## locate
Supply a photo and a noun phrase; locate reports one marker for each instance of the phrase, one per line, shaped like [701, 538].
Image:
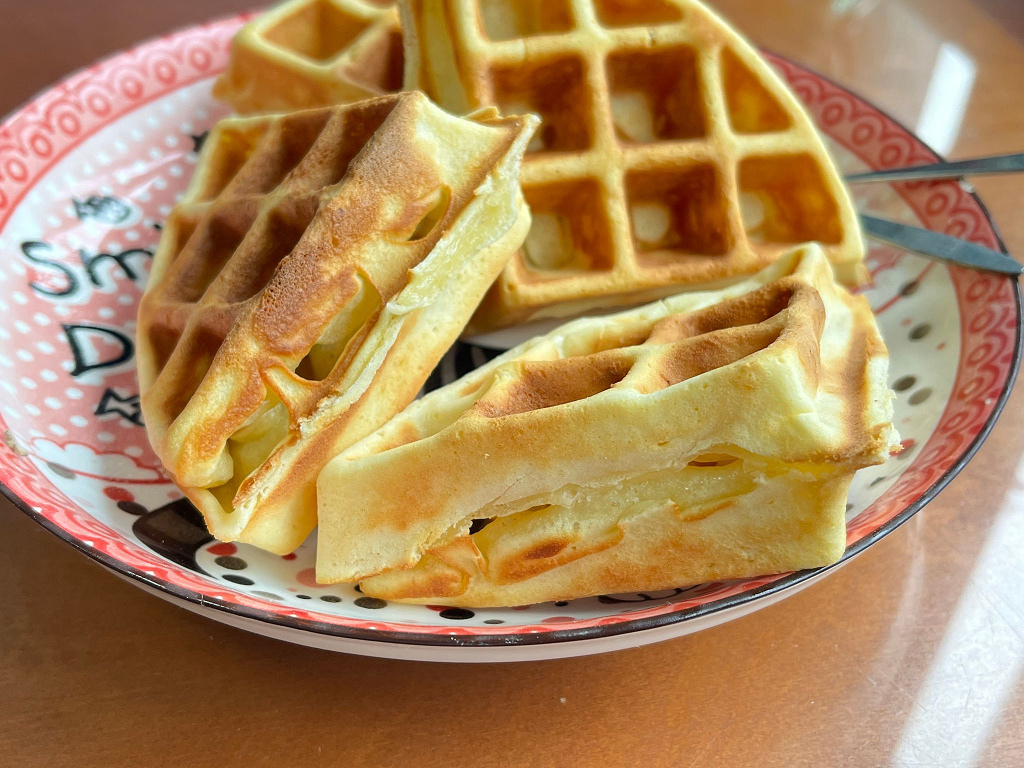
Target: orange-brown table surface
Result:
[911, 655]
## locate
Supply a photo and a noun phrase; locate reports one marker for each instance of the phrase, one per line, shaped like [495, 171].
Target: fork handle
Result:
[940, 246]
[977, 167]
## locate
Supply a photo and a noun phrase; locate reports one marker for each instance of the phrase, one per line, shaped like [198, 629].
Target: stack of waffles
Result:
[318, 268]
[323, 261]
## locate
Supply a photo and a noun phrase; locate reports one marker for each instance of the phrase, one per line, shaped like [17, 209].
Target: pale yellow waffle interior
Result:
[590, 517]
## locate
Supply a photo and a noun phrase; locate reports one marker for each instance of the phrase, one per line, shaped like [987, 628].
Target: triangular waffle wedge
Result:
[670, 154]
[316, 271]
[313, 53]
[708, 436]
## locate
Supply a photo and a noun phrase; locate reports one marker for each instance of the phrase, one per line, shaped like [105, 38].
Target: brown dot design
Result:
[904, 383]
[132, 508]
[373, 603]
[235, 579]
[494, 621]
[231, 563]
[920, 331]
[57, 469]
[920, 396]
[910, 288]
[331, 599]
[456, 614]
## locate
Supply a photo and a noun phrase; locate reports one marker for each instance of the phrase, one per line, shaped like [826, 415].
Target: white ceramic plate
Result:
[89, 170]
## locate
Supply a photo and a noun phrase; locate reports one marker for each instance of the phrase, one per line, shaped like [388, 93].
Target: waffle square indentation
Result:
[570, 230]
[209, 248]
[752, 108]
[636, 13]
[513, 19]
[317, 30]
[678, 209]
[656, 95]
[557, 90]
[784, 200]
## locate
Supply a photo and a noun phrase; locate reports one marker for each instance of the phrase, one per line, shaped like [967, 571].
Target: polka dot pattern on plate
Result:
[143, 158]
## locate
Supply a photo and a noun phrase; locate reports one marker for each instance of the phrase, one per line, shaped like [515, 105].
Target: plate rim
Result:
[498, 640]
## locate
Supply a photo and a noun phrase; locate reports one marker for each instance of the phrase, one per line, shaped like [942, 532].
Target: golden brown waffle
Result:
[313, 53]
[316, 271]
[708, 436]
[670, 154]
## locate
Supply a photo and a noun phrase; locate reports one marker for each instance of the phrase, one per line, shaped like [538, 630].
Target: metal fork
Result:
[935, 244]
[981, 166]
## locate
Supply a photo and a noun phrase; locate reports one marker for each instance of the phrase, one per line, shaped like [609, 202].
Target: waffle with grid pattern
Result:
[318, 268]
[711, 435]
[670, 154]
[313, 53]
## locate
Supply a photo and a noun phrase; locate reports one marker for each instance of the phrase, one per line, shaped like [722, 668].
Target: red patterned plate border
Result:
[45, 130]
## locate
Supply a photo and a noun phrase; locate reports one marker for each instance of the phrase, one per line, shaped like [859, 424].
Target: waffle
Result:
[670, 154]
[708, 436]
[313, 53]
[317, 269]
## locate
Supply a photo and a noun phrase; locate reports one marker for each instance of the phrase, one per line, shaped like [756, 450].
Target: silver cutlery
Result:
[980, 166]
[939, 246]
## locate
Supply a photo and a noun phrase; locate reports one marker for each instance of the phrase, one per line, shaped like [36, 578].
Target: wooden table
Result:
[912, 655]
